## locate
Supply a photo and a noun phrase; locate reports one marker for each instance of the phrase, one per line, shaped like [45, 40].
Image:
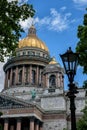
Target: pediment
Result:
[7, 102]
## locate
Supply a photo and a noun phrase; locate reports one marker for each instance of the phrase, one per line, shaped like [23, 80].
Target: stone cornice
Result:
[13, 100]
[25, 60]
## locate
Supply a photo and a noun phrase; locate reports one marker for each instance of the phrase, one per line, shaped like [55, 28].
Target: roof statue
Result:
[33, 93]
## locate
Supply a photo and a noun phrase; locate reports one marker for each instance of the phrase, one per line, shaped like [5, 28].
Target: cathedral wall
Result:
[79, 102]
[53, 103]
[58, 124]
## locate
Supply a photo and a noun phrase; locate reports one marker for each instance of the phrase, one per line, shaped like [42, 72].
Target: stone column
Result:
[30, 74]
[37, 125]
[41, 126]
[27, 74]
[6, 124]
[11, 127]
[5, 81]
[37, 75]
[56, 79]
[31, 123]
[16, 80]
[40, 76]
[18, 124]
[43, 81]
[60, 80]
[23, 75]
[46, 81]
[11, 77]
[59, 84]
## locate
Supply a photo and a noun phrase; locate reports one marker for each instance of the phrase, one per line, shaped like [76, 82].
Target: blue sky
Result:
[56, 22]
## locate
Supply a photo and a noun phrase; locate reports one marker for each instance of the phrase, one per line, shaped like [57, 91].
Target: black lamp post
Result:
[70, 61]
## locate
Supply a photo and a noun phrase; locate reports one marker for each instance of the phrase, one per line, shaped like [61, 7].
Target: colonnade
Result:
[33, 124]
[31, 75]
[23, 75]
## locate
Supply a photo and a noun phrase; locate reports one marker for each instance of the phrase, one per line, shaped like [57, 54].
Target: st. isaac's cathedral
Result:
[33, 97]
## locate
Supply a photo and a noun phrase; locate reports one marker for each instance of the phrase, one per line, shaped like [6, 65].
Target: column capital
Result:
[19, 119]
[37, 121]
[32, 118]
[41, 123]
[6, 120]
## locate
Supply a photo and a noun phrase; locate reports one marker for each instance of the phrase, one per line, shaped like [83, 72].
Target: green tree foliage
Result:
[82, 44]
[82, 123]
[10, 28]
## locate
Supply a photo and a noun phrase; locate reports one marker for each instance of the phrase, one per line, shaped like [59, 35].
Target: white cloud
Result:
[19, 1]
[11, 0]
[27, 23]
[55, 21]
[1, 76]
[22, 1]
[63, 8]
[58, 22]
[80, 2]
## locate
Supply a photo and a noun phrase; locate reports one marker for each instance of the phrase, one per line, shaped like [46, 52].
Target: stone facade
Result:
[33, 97]
[54, 124]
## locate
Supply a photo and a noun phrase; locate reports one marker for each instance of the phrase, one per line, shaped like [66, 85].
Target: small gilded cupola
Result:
[53, 61]
[54, 74]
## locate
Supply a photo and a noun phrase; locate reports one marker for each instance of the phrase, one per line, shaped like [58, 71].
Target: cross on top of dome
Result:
[32, 30]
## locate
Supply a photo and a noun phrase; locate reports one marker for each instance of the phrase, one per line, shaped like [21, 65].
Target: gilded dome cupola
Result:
[32, 40]
[26, 67]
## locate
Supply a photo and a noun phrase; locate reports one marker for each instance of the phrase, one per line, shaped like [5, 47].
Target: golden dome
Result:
[32, 40]
[53, 61]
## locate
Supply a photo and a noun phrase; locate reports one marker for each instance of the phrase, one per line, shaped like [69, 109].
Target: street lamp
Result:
[70, 61]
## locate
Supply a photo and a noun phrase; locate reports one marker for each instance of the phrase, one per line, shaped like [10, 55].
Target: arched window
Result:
[13, 78]
[33, 76]
[24, 53]
[52, 81]
[20, 76]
